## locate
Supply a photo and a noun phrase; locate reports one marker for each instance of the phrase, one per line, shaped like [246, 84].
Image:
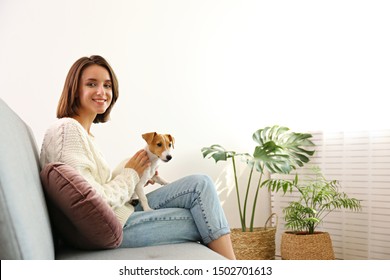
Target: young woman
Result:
[185, 210]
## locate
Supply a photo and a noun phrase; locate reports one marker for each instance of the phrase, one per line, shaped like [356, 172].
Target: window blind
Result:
[360, 161]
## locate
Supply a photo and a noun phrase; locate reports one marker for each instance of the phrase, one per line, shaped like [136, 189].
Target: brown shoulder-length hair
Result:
[69, 102]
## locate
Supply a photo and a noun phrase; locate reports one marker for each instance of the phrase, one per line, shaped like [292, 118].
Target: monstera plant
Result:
[278, 150]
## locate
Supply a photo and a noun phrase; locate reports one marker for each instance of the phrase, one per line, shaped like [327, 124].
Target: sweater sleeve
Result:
[77, 150]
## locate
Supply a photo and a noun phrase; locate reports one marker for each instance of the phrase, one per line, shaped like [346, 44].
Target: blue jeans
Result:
[185, 210]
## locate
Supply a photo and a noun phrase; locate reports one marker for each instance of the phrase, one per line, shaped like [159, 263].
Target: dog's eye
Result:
[159, 144]
[170, 145]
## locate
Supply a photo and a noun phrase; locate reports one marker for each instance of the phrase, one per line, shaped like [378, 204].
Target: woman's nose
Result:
[101, 90]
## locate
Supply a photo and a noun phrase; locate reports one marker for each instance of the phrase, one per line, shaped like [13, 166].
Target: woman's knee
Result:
[203, 181]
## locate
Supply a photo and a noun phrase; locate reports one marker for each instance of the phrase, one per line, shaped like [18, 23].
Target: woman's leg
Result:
[159, 227]
[197, 194]
[155, 228]
[223, 246]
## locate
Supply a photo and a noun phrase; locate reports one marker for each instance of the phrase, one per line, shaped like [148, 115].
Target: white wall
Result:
[205, 71]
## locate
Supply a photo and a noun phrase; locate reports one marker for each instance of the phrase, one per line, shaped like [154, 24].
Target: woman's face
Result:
[95, 91]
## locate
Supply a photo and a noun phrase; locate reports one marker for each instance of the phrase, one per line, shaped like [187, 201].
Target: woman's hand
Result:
[139, 162]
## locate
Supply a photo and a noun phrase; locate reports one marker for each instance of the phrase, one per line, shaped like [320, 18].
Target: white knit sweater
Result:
[68, 142]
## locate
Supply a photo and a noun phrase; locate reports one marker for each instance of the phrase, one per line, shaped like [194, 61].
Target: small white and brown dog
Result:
[159, 148]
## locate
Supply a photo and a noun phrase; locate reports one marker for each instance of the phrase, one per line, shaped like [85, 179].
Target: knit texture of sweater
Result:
[68, 142]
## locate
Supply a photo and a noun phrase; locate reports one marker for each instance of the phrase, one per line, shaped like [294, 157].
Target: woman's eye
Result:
[91, 84]
[107, 86]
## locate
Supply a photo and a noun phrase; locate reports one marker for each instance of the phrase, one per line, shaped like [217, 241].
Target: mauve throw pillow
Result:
[78, 213]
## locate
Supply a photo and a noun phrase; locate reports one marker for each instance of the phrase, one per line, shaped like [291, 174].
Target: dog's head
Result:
[160, 144]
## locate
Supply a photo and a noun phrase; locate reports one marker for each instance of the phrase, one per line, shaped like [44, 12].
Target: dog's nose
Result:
[169, 157]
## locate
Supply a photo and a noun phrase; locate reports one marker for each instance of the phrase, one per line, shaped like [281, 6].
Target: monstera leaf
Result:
[217, 152]
[279, 150]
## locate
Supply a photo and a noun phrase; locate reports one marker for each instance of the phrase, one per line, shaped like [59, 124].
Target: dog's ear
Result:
[171, 139]
[148, 137]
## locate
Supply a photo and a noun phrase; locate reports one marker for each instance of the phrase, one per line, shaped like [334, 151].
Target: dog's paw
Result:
[148, 209]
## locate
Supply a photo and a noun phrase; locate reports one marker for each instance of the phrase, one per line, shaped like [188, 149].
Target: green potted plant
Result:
[278, 150]
[318, 197]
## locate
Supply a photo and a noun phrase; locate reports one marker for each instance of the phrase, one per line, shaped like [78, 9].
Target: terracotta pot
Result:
[302, 246]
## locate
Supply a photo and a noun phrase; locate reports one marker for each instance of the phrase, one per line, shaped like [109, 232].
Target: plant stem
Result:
[255, 202]
[311, 228]
[247, 193]
[243, 225]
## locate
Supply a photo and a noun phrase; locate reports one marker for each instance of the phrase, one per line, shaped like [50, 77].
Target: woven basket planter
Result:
[317, 246]
[256, 245]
